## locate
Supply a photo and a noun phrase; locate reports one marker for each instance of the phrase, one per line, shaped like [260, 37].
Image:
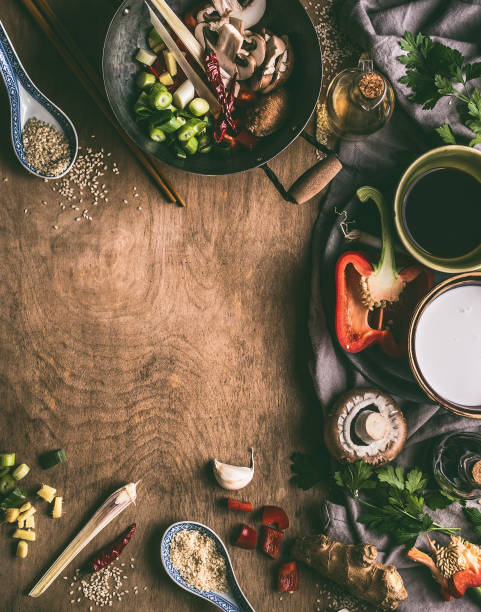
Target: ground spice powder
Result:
[194, 555]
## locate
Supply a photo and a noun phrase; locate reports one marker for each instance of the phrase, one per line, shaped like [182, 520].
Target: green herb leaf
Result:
[309, 470]
[446, 134]
[474, 517]
[393, 476]
[472, 71]
[438, 500]
[415, 481]
[354, 477]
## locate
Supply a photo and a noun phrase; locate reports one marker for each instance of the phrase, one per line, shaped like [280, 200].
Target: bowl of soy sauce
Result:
[438, 209]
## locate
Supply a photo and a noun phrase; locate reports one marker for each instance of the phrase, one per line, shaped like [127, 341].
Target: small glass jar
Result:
[360, 101]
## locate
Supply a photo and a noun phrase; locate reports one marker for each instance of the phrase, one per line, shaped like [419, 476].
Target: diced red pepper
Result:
[271, 541]
[247, 139]
[463, 580]
[288, 578]
[247, 538]
[236, 504]
[273, 515]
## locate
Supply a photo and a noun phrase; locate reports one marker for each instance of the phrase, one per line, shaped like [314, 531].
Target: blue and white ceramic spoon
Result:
[232, 601]
[26, 102]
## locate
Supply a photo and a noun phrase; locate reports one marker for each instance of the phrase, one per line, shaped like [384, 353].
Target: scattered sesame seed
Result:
[25, 210]
[124, 201]
[139, 207]
[55, 227]
[136, 195]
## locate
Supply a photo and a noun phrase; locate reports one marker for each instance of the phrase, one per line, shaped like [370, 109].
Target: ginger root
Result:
[353, 567]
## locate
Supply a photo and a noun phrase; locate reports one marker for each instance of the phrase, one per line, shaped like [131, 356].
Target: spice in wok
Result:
[112, 552]
[375, 301]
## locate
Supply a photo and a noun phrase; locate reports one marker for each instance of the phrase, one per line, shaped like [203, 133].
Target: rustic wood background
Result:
[147, 342]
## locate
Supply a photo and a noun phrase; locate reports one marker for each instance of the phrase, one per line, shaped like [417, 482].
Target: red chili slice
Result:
[288, 578]
[236, 504]
[271, 541]
[247, 538]
[273, 515]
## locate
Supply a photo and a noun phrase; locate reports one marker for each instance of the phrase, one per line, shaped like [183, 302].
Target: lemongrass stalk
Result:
[112, 507]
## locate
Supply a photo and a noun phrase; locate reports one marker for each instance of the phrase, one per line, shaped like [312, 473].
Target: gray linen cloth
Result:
[378, 25]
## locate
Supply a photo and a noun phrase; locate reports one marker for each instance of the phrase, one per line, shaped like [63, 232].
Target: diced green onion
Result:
[191, 145]
[146, 57]
[142, 108]
[7, 483]
[156, 134]
[7, 459]
[199, 107]
[145, 79]
[184, 94]
[21, 471]
[193, 127]
[48, 460]
[180, 152]
[159, 96]
[222, 149]
[155, 41]
[14, 499]
[205, 143]
[171, 126]
[4, 471]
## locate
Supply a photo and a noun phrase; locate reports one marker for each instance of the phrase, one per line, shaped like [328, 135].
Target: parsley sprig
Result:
[434, 71]
[396, 507]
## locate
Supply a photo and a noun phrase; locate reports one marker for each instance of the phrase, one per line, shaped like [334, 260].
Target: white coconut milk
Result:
[447, 345]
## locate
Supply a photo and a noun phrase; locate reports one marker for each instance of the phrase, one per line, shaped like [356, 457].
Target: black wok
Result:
[127, 32]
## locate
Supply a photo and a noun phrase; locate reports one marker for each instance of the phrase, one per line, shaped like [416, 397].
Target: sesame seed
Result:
[46, 149]
[139, 207]
[55, 227]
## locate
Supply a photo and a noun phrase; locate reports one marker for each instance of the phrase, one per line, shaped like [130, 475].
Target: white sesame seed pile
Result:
[45, 147]
[104, 587]
[333, 597]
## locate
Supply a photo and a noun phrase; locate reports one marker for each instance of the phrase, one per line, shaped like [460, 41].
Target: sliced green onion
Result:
[159, 96]
[156, 133]
[205, 143]
[184, 94]
[193, 127]
[4, 471]
[142, 108]
[48, 460]
[199, 107]
[223, 150]
[21, 471]
[145, 57]
[7, 483]
[180, 152]
[171, 126]
[191, 145]
[14, 499]
[145, 79]
[155, 41]
[7, 459]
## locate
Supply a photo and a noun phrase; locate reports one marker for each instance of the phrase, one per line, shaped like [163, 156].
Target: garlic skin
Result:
[233, 477]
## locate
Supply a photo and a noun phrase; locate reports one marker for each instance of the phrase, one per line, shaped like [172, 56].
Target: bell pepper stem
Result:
[386, 269]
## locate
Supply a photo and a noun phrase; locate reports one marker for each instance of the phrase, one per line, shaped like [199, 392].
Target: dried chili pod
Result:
[271, 541]
[288, 578]
[112, 551]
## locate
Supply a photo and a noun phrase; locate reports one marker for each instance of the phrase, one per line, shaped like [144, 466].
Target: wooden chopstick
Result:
[81, 67]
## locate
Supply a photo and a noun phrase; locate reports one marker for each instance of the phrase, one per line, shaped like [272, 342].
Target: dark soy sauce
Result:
[442, 212]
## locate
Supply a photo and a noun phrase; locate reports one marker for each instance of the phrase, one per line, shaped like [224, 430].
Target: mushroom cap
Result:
[286, 60]
[340, 421]
[275, 48]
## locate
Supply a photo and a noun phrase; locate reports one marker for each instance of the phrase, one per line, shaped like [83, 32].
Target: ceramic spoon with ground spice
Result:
[196, 559]
[43, 137]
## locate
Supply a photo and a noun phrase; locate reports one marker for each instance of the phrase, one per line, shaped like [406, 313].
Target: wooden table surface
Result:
[147, 342]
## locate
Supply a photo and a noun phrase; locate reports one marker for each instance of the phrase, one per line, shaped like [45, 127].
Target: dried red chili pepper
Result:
[273, 515]
[112, 551]
[364, 290]
[235, 504]
[247, 538]
[154, 71]
[288, 578]
[271, 540]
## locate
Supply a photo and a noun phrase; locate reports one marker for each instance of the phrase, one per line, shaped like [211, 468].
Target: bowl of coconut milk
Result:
[445, 344]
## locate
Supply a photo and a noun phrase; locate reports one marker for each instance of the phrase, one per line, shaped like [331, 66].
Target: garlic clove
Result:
[233, 477]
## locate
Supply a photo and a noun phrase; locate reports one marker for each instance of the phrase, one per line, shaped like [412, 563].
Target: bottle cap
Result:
[371, 85]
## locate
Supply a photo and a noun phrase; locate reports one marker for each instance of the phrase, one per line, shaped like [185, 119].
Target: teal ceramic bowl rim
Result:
[453, 265]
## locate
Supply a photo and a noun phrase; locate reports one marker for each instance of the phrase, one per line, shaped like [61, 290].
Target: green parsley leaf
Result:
[354, 477]
[393, 476]
[474, 517]
[472, 71]
[415, 481]
[446, 134]
[438, 500]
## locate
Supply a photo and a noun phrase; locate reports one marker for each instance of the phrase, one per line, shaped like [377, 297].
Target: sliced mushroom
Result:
[275, 47]
[250, 11]
[256, 46]
[365, 424]
[284, 67]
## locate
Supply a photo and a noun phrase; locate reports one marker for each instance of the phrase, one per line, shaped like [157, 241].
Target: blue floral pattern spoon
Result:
[26, 102]
[232, 601]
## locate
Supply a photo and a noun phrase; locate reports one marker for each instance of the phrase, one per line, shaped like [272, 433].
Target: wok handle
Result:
[315, 179]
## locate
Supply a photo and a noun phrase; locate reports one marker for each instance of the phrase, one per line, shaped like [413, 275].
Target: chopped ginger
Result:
[47, 493]
[21, 523]
[30, 522]
[22, 549]
[57, 507]
[24, 515]
[23, 534]
[11, 515]
[26, 506]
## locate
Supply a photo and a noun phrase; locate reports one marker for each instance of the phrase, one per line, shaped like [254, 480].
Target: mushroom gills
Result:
[250, 11]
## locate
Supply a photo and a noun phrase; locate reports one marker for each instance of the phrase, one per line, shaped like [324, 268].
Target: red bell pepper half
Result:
[374, 302]
[273, 515]
[271, 540]
[236, 504]
[247, 538]
[288, 578]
